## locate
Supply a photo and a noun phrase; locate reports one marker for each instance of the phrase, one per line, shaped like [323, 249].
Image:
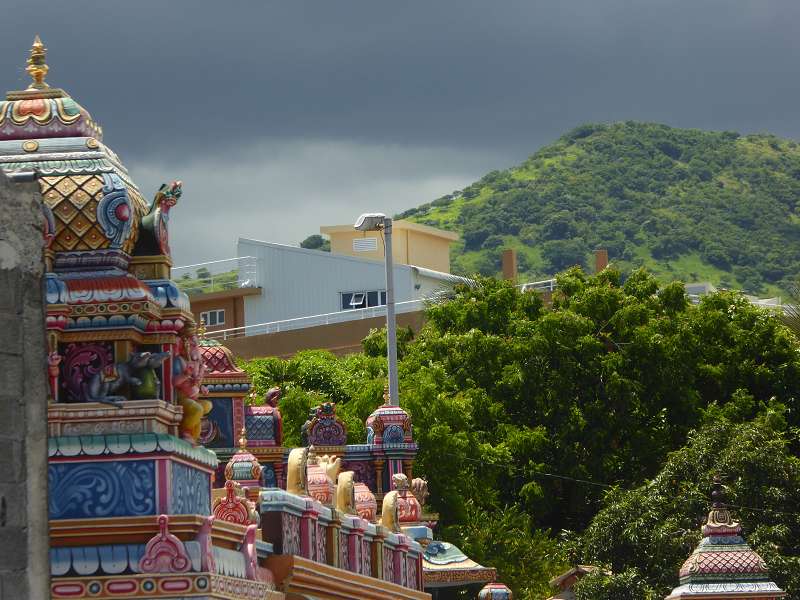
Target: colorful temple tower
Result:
[724, 565]
[167, 479]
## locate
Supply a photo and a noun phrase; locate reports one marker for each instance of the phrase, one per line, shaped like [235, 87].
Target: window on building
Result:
[358, 300]
[212, 318]
[363, 299]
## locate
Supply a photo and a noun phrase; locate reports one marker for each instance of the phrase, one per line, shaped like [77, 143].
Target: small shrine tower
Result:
[724, 565]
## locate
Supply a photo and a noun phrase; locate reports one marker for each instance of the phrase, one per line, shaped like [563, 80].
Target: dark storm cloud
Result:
[507, 75]
[453, 88]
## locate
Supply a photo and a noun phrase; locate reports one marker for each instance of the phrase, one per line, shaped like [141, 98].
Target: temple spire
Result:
[37, 67]
[720, 515]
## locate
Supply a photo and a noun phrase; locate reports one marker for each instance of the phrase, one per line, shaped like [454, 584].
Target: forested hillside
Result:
[687, 204]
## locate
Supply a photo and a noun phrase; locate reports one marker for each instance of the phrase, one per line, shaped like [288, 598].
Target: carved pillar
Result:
[122, 350]
[334, 531]
[166, 374]
[379, 480]
[377, 555]
[308, 533]
[408, 469]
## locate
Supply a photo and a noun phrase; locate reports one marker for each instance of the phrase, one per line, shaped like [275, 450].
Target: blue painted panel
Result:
[191, 491]
[101, 489]
[218, 425]
[268, 478]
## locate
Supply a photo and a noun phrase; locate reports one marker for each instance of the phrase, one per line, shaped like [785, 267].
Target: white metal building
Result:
[297, 282]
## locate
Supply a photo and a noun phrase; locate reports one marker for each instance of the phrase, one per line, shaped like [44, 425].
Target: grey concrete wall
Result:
[24, 567]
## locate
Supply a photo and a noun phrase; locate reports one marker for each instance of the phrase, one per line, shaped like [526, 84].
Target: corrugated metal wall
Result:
[297, 282]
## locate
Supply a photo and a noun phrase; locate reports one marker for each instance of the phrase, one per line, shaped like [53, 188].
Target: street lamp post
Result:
[380, 222]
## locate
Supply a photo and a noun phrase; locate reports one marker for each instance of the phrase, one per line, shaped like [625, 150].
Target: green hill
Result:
[687, 204]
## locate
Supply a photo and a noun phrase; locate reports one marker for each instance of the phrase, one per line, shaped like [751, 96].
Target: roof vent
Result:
[365, 244]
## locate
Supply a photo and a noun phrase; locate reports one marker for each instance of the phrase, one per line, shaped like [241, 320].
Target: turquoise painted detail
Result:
[121, 444]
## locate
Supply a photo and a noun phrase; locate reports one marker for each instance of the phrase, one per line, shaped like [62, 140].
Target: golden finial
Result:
[386, 396]
[37, 67]
[243, 440]
[201, 330]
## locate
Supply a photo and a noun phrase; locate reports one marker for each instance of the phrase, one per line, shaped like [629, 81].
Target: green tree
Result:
[517, 405]
[654, 528]
[316, 242]
[628, 585]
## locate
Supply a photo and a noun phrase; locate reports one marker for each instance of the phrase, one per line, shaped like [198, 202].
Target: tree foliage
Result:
[316, 242]
[521, 409]
[653, 529]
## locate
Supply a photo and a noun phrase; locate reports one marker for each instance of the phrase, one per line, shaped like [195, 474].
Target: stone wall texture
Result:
[24, 567]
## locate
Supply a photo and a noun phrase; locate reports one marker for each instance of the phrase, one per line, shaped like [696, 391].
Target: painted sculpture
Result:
[346, 493]
[390, 516]
[366, 505]
[188, 372]
[129, 488]
[409, 509]
[296, 482]
[320, 474]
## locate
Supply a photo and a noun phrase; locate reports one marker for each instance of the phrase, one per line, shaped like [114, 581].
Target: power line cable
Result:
[535, 473]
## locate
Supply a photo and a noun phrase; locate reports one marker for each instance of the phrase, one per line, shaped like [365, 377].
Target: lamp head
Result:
[370, 222]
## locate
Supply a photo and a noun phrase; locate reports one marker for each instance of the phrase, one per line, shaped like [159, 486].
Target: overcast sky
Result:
[281, 116]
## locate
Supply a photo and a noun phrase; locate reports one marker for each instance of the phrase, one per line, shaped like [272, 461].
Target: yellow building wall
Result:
[409, 246]
[427, 251]
[342, 243]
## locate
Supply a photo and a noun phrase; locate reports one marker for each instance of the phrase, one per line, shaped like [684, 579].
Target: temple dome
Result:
[495, 591]
[389, 425]
[44, 112]
[243, 467]
[724, 562]
[92, 207]
[221, 372]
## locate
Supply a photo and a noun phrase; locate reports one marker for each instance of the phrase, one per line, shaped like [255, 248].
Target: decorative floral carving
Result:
[234, 507]
[366, 505]
[164, 553]
[114, 210]
[324, 428]
[81, 362]
[208, 563]
[101, 489]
